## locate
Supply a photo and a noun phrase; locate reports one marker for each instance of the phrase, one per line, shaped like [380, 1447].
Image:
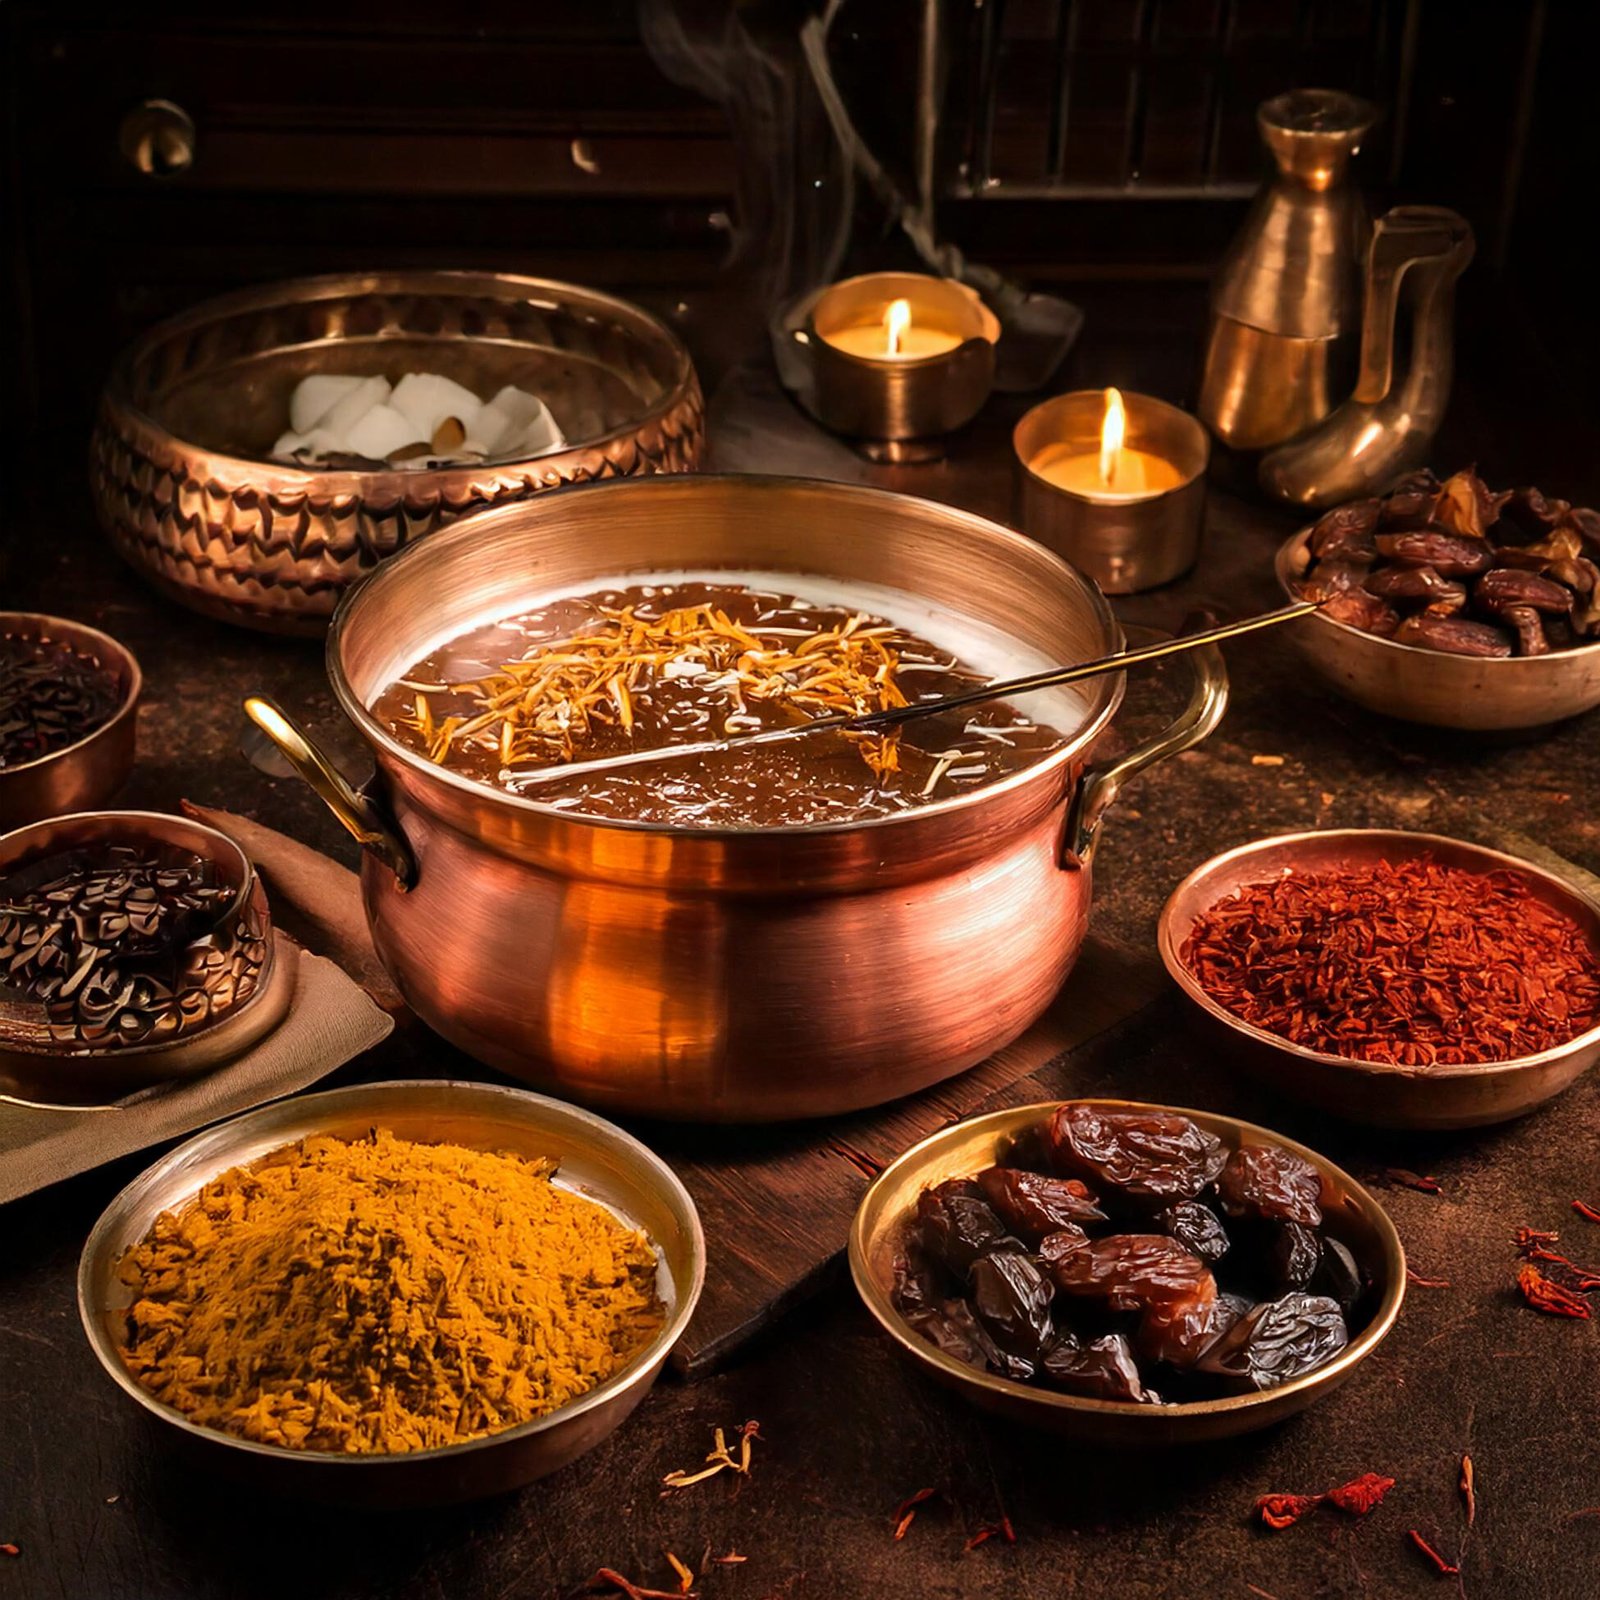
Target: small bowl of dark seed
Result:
[1452, 604]
[69, 704]
[1125, 1273]
[135, 949]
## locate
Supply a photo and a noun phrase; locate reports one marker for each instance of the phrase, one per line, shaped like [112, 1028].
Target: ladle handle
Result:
[359, 815]
[1100, 785]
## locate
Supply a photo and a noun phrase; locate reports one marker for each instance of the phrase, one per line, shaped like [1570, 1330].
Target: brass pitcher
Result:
[1286, 306]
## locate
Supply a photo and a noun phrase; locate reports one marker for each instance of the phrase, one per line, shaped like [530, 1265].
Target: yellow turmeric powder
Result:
[378, 1295]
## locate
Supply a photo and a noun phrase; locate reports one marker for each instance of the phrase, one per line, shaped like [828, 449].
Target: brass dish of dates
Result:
[880, 1232]
[180, 463]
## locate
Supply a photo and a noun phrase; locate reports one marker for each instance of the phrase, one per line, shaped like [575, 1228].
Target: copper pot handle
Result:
[1100, 785]
[358, 813]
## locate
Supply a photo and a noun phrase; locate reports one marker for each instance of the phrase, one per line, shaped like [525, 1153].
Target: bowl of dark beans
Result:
[1451, 604]
[1127, 1273]
[136, 949]
[69, 702]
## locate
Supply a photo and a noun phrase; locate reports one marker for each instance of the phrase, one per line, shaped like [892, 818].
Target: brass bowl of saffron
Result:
[1350, 1215]
[597, 1160]
[1448, 1095]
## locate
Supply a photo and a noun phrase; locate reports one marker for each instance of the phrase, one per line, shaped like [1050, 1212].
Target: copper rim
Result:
[112, 655]
[119, 388]
[1170, 940]
[1053, 1401]
[436, 547]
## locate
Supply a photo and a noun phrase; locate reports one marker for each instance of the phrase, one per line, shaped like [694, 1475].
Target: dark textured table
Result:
[100, 1511]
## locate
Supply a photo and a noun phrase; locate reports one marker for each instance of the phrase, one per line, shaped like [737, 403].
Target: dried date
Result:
[1456, 636]
[1528, 515]
[1422, 584]
[1180, 1334]
[1358, 609]
[1411, 503]
[1346, 533]
[1452, 555]
[1032, 1205]
[1011, 1298]
[956, 1225]
[1133, 1271]
[1338, 1276]
[1196, 1227]
[1145, 1157]
[952, 1328]
[1278, 1341]
[1103, 1369]
[1271, 1183]
[1528, 627]
[1294, 1253]
[1506, 586]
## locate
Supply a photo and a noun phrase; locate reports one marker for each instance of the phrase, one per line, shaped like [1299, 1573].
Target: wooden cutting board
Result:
[776, 1202]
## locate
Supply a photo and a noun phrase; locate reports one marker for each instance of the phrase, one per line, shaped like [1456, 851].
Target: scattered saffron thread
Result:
[1357, 1498]
[1444, 1568]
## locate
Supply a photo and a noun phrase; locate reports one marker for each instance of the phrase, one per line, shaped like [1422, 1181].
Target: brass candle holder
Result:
[1114, 484]
[892, 360]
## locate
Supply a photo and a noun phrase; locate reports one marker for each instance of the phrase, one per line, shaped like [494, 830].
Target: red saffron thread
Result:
[1412, 1180]
[1356, 1498]
[1544, 1294]
[1444, 1568]
[1426, 1283]
[1468, 1493]
[906, 1512]
[1587, 1211]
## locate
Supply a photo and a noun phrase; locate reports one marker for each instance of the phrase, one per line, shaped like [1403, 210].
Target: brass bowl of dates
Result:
[1125, 1273]
[1452, 605]
[1398, 979]
[136, 949]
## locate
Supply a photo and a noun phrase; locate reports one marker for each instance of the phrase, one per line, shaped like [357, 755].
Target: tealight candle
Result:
[895, 336]
[895, 360]
[1114, 484]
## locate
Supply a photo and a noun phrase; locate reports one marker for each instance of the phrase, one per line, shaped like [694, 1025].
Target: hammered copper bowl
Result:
[1461, 1096]
[85, 774]
[729, 974]
[1433, 686]
[1350, 1213]
[180, 467]
[597, 1160]
[251, 995]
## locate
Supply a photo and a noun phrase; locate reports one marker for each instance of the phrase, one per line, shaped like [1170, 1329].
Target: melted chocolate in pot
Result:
[817, 780]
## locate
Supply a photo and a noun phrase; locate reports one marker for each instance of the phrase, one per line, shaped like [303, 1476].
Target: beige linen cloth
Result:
[330, 1021]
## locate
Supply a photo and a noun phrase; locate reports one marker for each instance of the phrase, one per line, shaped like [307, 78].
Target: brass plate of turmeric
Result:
[596, 1161]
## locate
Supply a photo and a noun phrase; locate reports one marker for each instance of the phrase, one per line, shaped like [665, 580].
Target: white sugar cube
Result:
[425, 400]
[379, 432]
[315, 397]
[353, 407]
[532, 429]
[317, 442]
[489, 427]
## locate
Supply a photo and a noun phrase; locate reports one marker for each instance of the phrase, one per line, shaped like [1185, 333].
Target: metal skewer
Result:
[877, 721]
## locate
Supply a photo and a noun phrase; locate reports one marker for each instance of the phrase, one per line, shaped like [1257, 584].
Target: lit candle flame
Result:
[1111, 436]
[895, 322]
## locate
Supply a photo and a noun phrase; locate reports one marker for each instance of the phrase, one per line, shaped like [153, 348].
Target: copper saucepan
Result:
[725, 974]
